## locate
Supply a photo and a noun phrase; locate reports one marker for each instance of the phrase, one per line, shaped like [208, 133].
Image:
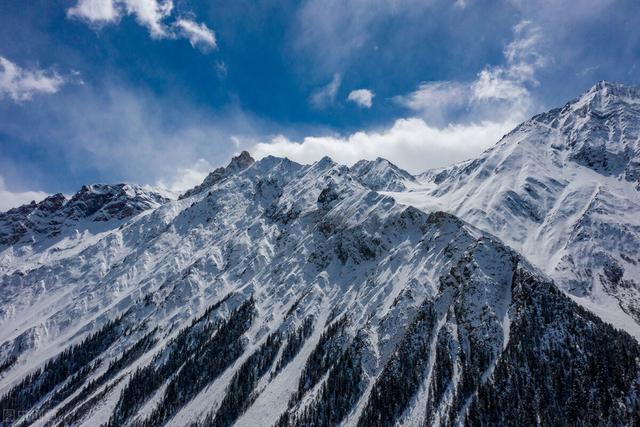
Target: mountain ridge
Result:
[287, 294]
[571, 217]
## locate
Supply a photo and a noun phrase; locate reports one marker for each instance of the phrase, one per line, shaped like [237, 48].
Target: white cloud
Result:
[198, 34]
[460, 4]
[492, 85]
[362, 97]
[150, 13]
[9, 199]
[186, 178]
[458, 120]
[155, 15]
[436, 101]
[94, 10]
[410, 143]
[21, 84]
[326, 95]
[498, 93]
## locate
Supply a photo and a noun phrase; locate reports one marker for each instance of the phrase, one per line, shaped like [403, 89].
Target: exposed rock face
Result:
[237, 164]
[382, 175]
[96, 202]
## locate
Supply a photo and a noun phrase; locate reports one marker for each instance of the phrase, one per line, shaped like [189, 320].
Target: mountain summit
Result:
[563, 189]
[237, 164]
[601, 130]
[93, 204]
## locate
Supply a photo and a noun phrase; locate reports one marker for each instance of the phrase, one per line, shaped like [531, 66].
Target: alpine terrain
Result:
[501, 291]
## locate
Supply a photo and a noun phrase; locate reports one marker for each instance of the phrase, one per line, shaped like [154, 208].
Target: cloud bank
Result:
[410, 143]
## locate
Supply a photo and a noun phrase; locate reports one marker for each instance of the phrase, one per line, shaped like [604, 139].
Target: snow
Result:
[532, 192]
[371, 241]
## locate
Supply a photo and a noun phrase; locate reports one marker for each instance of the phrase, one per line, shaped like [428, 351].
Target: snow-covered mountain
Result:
[93, 203]
[382, 175]
[280, 294]
[237, 164]
[563, 188]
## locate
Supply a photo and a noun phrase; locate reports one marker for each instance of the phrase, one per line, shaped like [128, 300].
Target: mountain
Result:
[237, 164]
[93, 204]
[382, 175]
[282, 294]
[563, 189]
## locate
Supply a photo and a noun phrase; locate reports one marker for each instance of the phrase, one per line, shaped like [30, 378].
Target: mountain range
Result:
[503, 290]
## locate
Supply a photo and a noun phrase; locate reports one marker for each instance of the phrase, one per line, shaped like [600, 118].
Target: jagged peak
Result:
[93, 202]
[237, 164]
[110, 191]
[381, 175]
[111, 201]
[241, 161]
[612, 87]
[273, 164]
[604, 94]
[325, 162]
[380, 162]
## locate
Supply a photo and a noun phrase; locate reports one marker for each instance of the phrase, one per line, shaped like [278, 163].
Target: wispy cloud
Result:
[436, 101]
[362, 97]
[523, 58]
[460, 4]
[498, 92]
[186, 177]
[454, 120]
[155, 15]
[21, 84]
[326, 95]
[124, 133]
[199, 35]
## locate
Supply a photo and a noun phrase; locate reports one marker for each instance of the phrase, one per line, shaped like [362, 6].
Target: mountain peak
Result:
[601, 96]
[107, 201]
[240, 162]
[237, 164]
[599, 130]
[95, 202]
[607, 86]
[381, 175]
[326, 161]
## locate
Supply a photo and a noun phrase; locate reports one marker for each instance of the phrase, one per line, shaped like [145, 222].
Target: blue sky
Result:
[159, 92]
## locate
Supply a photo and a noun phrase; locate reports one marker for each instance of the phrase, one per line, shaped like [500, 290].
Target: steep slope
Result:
[58, 226]
[563, 189]
[293, 295]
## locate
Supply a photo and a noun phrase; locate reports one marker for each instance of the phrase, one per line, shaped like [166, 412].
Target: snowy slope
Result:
[289, 295]
[382, 175]
[563, 189]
